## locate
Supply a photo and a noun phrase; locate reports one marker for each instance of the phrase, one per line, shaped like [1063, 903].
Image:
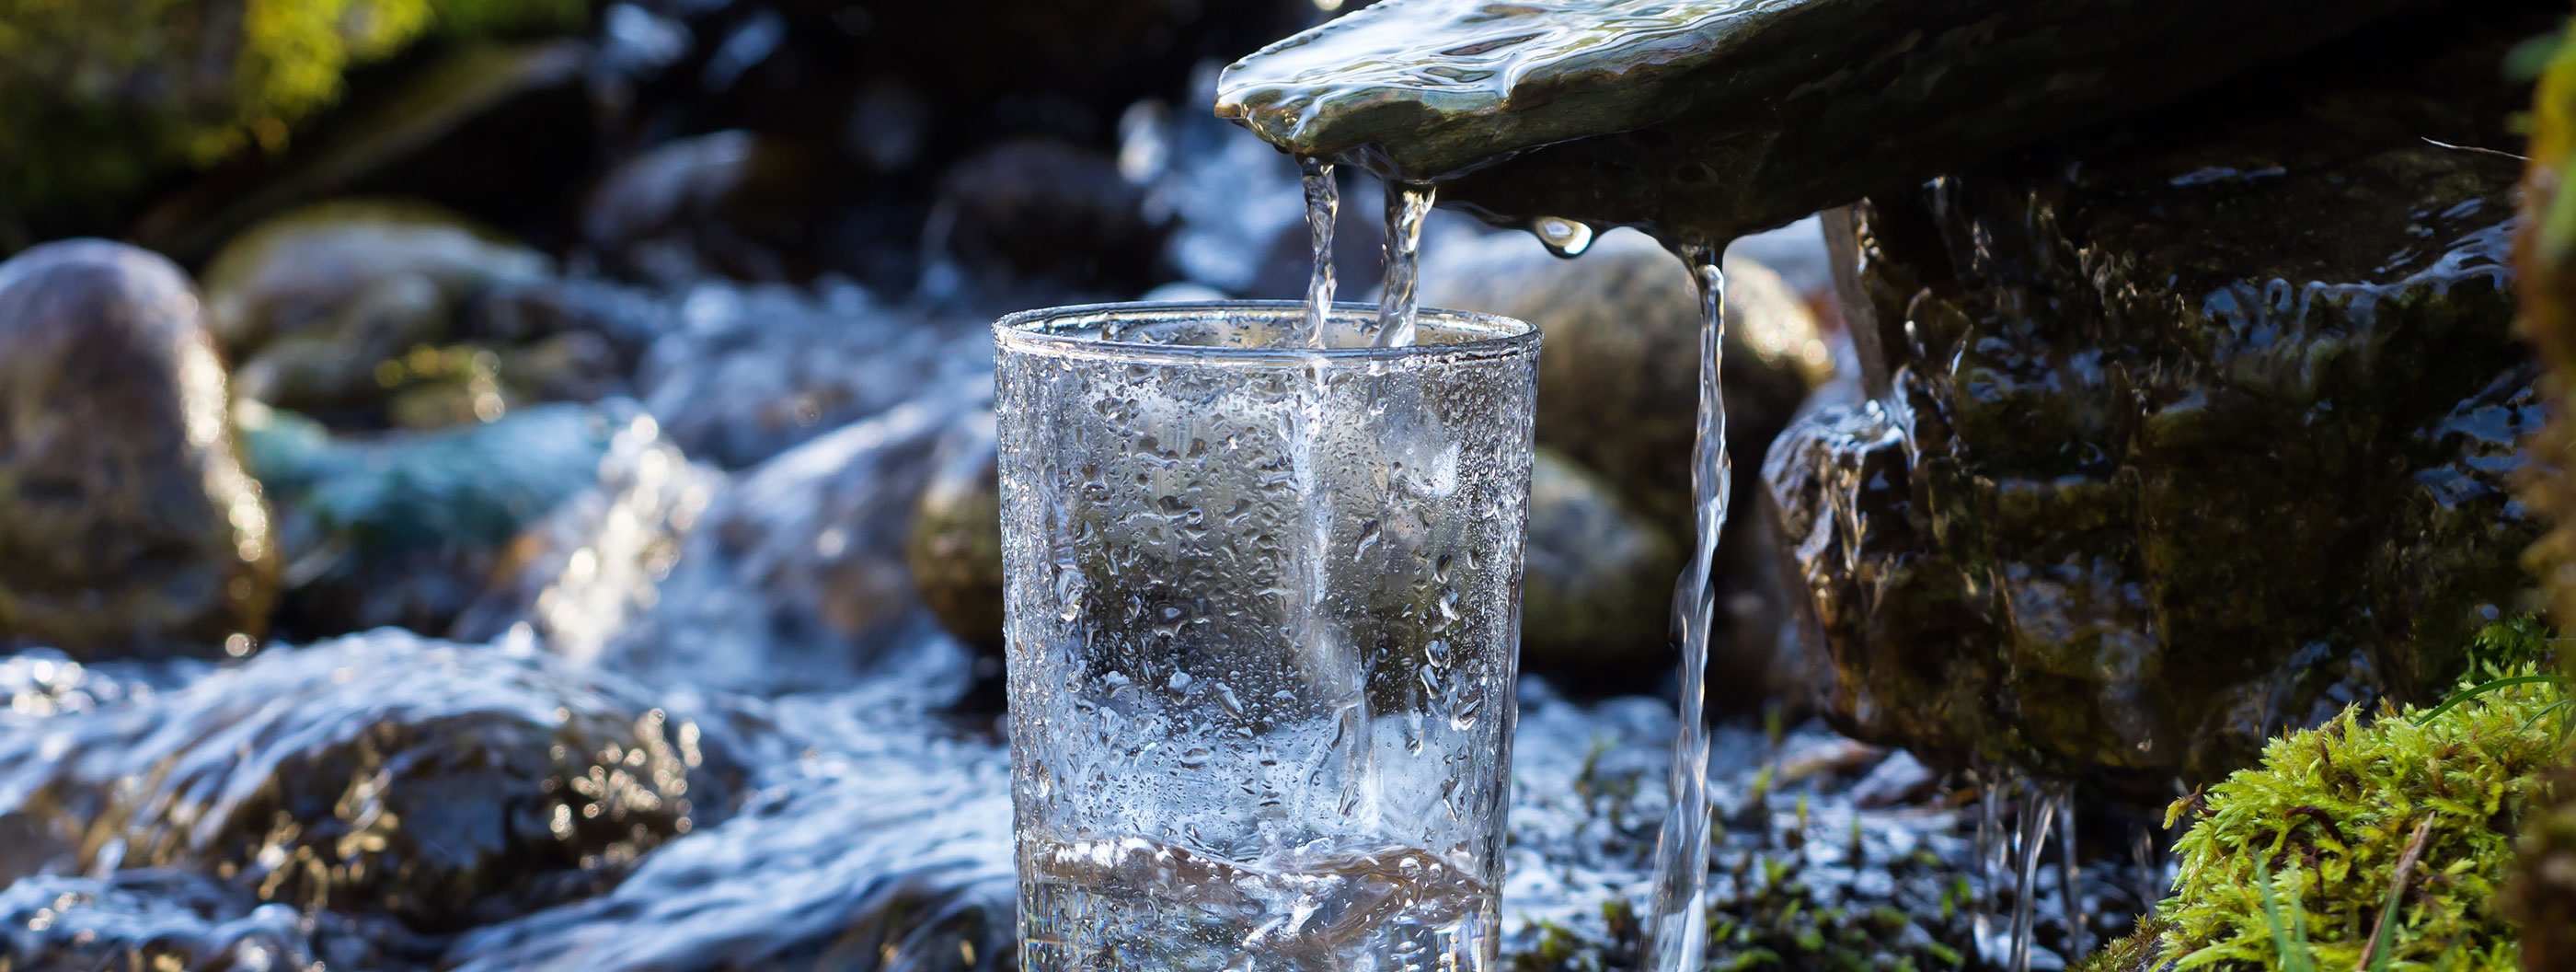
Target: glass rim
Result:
[1048, 331]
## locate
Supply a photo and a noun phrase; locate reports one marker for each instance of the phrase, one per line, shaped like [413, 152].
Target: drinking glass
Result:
[1264, 616]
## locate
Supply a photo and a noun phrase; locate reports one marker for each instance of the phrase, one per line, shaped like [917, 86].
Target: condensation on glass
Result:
[1264, 614]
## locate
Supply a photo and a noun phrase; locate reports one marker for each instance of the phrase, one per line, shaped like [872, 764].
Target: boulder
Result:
[127, 526]
[368, 313]
[1596, 578]
[2181, 436]
[440, 784]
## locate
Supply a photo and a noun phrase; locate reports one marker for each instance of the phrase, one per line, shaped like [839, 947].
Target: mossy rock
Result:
[2332, 813]
[98, 98]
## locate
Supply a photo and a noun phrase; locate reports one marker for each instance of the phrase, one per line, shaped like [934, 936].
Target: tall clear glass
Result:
[1264, 618]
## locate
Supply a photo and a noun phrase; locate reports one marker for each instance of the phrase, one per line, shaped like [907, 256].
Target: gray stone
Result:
[127, 526]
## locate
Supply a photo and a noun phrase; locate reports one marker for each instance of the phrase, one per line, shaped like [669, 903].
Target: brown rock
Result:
[127, 526]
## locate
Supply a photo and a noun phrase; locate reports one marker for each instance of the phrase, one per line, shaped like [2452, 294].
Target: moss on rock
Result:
[2331, 815]
[98, 97]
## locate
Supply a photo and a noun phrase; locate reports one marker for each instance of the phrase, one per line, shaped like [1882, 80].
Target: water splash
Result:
[1406, 205]
[2008, 859]
[1323, 207]
[1566, 238]
[2032, 817]
[1676, 931]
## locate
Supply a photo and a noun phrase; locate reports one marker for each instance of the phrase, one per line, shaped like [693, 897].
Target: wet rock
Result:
[795, 579]
[896, 858]
[2197, 440]
[405, 529]
[1596, 579]
[577, 578]
[315, 303]
[1704, 122]
[734, 204]
[127, 526]
[750, 372]
[955, 549]
[443, 785]
[1050, 209]
[132, 921]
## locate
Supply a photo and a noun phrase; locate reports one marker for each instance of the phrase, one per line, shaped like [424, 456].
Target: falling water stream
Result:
[1323, 208]
[1677, 929]
[1406, 205]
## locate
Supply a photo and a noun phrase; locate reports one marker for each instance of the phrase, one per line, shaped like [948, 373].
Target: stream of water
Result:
[1407, 204]
[1676, 929]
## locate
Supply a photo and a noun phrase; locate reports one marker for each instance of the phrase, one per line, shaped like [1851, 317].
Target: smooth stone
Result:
[405, 529]
[2190, 434]
[1704, 121]
[1047, 209]
[731, 204]
[316, 302]
[443, 785]
[127, 526]
[955, 547]
[1596, 579]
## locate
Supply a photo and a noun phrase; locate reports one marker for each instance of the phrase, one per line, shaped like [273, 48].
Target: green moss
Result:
[99, 96]
[2329, 813]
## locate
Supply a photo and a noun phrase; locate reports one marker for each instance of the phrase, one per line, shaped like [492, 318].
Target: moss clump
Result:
[99, 96]
[2330, 812]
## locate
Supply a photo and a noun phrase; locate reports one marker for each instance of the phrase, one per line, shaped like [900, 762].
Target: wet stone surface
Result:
[366, 314]
[405, 528]
[2182, 437]
[163, 919]
[1703, 121]
[127, 527]
[439, 784]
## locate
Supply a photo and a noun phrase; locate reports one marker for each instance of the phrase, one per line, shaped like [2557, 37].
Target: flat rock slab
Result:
[1710, 119]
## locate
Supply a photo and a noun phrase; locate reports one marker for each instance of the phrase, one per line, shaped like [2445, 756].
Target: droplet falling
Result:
[1323, 209]
[1406, 205]
[2070, 878]
[1677, 930]
[1564, 237]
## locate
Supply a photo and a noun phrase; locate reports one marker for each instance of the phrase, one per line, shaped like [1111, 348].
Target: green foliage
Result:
[2291, 863]
[99, 96]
